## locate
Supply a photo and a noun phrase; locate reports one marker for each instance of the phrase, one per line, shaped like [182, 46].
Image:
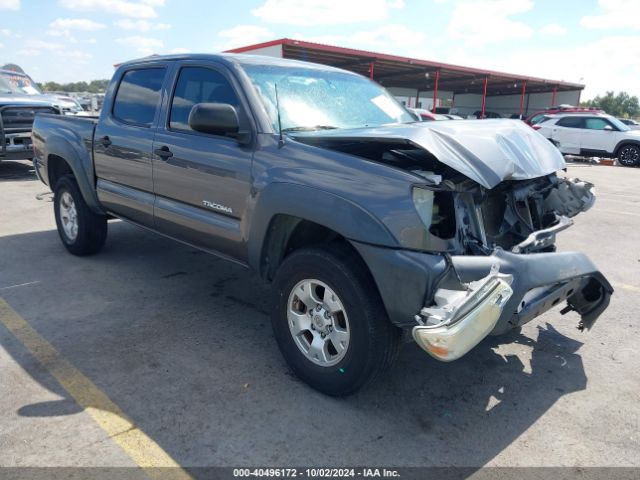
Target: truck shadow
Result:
[181, 342]
[13, 171]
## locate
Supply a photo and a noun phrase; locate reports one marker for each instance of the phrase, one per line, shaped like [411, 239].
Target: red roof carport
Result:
[421, 75]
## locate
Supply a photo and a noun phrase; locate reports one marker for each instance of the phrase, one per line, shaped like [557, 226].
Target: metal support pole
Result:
[484, 97]
[435, 91]
[553, 96]
[524, 89]
[371, 70]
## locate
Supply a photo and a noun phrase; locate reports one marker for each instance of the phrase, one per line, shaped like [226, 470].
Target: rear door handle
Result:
[163, 152]
[105, 141]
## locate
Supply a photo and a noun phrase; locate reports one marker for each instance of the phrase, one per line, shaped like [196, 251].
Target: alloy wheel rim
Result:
[68, 216]
[318, 322]
[629, 156]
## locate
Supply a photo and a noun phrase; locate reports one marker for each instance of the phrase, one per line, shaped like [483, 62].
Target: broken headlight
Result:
[436, 210]
[423, 200]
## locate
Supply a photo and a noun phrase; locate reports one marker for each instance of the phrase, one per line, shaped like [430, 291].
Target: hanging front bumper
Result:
[461, 319]
[513, 289]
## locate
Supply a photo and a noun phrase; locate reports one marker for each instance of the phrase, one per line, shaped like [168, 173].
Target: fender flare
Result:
[626, 141]
[81, 164]
[315, 205]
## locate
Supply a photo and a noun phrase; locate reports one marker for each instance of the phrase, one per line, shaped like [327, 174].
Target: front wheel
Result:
[329, 321]
[82, 231]
[629, 155]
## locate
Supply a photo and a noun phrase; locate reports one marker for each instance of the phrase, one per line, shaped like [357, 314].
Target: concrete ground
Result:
[181, 342]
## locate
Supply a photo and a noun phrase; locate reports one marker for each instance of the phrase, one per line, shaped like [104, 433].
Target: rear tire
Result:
[350, 310]
[82, 231]
[629, 155]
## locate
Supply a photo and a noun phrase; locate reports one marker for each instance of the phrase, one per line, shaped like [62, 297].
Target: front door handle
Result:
[163, 152]
[105, 141]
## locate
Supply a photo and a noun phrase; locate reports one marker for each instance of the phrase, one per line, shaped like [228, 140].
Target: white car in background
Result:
[592, 135]
[631, 123]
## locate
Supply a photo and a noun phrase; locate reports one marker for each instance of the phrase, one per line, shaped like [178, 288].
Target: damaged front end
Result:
[490, 204]
[503, 267]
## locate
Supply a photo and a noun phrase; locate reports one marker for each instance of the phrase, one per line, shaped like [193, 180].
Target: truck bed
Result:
[83, 127]
[74, 135]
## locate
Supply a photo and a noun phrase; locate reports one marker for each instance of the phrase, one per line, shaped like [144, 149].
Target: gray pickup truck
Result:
[370, 226]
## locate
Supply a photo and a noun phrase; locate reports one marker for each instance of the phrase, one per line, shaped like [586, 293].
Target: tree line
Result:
[618, 105]
[94, 86]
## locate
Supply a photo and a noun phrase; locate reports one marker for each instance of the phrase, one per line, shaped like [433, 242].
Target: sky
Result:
[596, 42]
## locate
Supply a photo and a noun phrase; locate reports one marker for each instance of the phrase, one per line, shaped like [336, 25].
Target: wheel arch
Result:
[63, 158]
[287, 234]
[623, 143]
[288, 216]
[56, 168]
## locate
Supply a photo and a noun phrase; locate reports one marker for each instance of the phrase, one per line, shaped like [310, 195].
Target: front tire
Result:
[629, 155]
[329, 321]
[82, 231]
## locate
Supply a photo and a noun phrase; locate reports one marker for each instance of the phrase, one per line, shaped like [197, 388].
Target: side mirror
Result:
[608, 128]
[214, 118]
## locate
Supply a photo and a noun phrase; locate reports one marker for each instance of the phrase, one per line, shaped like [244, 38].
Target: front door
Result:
[123, 142]
[598, 136]
[201, 181]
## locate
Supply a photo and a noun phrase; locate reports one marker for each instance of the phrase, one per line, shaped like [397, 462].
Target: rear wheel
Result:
[629, 155]
[82, 231]
[329, 321]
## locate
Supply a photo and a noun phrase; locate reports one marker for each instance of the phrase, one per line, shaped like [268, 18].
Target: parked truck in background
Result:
[17, 112]
[368, 224]
[21, 84]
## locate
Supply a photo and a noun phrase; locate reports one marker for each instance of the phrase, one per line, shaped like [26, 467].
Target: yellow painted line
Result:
[140, 447]
[624, 286]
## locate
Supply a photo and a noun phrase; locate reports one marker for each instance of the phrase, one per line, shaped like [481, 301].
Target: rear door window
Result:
[198, 85]
[138, 96]
[571, 122]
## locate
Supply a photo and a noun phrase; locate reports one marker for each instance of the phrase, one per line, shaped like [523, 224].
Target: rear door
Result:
[123, 143]
[566, 133]
[202, 181]
[598, 136]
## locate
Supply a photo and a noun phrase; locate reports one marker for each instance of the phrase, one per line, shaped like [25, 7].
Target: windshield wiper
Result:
[309, 129]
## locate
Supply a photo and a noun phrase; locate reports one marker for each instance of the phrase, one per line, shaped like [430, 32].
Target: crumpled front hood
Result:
[486, 151]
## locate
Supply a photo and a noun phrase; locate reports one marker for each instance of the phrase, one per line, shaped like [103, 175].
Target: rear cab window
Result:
[138, 96]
